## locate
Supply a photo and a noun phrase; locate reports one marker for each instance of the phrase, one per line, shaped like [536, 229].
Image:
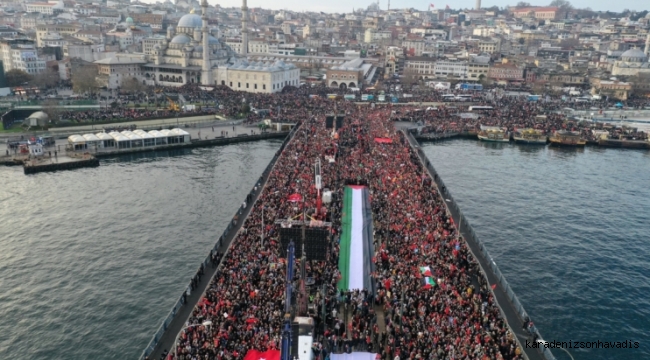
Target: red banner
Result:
[259, 355]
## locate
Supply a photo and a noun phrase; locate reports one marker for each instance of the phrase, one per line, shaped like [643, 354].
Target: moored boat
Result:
[530, 136]
[567, 138]
[493, 134]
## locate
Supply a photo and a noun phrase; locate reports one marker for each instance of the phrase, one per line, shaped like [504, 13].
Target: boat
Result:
[530, 136]
[567, 138]
[493, 134]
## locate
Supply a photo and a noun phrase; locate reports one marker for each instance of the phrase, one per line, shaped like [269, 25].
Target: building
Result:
[352, 73]
[393, 60]
[192, 53]
[451, 68]
[615, 89]
[45, 31]
[631, 63]
[420, 67]
[47, 8]
[506, 72]
[541, 13]
[114, 70]
[21, 54]
[478, 67]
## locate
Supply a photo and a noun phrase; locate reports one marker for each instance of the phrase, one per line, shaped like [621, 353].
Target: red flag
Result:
[494, 286]
[266, 355]
[447, 7]
[432, 5]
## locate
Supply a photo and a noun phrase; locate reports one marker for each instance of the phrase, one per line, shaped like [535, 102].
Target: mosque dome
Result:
[190, 20]
[181, 39]
[129, 21]
[634, 55]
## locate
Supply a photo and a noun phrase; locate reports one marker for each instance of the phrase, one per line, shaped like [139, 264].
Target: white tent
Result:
[77, 142]
[159, 137]
[121, 141]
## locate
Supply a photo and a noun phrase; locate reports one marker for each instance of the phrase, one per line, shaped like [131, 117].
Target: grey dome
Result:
[634, 55]
[190, 20]
[181, 39]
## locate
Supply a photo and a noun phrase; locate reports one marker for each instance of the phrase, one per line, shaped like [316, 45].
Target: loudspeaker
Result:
[329, 122]
[316, 242]
[339, 121]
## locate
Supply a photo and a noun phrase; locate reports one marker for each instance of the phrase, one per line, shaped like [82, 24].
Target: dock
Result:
[46, 164]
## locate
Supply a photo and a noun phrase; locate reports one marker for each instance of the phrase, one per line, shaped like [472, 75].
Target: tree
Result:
[563, 5]
[132, 86]
[51, 108]
[521, 41]
[522, 4]
[17, 77]
[84, 80]
[46, 79]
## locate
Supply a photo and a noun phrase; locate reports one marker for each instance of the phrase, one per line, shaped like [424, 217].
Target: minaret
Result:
[206, 70]
[478, 5]
[647, 46]
[244, 29]
[388, 5]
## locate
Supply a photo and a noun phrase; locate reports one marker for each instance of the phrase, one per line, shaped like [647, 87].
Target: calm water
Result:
[568, 228]
[92, 260]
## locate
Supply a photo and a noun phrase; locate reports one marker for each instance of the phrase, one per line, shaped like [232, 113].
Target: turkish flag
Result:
[259, 355]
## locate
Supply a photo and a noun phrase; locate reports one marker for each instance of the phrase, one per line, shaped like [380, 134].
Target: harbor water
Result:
[569, 230]
[92, 260]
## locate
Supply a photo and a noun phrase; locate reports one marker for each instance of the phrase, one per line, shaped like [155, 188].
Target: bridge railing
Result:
[231, 225]
[468, 231]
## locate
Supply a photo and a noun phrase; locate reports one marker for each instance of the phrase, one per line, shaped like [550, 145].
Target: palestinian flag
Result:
[425, 271]
[428, 282]
[356, 248]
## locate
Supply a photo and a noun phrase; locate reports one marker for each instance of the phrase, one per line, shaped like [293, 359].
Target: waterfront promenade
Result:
[409, 216]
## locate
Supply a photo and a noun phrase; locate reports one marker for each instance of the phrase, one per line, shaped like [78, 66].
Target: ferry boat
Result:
[493, 134]
[567, 138]
[530, 136]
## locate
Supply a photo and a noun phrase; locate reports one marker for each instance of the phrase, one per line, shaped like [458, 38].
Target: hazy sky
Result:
[348, 5]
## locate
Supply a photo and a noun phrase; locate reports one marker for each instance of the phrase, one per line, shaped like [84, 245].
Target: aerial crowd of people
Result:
[456, 318]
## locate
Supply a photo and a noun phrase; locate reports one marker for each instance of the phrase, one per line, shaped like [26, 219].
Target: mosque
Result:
[193, 54]
[632, 63]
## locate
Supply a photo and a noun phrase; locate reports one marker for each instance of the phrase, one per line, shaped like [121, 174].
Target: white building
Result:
[21, 54]
[47, 8]
[457, 69]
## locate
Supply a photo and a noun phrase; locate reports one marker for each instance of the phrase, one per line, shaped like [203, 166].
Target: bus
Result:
[448, 97]
[480, 108]
[464, 97]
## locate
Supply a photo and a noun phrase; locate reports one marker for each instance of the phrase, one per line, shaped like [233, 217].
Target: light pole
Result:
[205, 323]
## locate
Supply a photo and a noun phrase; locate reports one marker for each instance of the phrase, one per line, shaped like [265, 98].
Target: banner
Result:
[262, 355]
[356, 248]
[355, 356]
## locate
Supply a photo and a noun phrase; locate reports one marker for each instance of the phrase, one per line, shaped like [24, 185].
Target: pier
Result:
[34, 166]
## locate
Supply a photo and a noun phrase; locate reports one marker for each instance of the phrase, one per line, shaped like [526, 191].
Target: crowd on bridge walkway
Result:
[455, 319]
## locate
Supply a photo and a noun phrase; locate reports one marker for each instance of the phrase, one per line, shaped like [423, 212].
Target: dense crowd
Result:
[457, 318]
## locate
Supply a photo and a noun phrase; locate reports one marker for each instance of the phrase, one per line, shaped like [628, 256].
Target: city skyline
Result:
[343, 6]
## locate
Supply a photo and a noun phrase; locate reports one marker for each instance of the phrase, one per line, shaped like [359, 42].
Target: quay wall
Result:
[507, 301]
[165, 335]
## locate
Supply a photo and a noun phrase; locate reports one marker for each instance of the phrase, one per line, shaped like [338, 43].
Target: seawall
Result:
[165, 336]
[509, 305]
